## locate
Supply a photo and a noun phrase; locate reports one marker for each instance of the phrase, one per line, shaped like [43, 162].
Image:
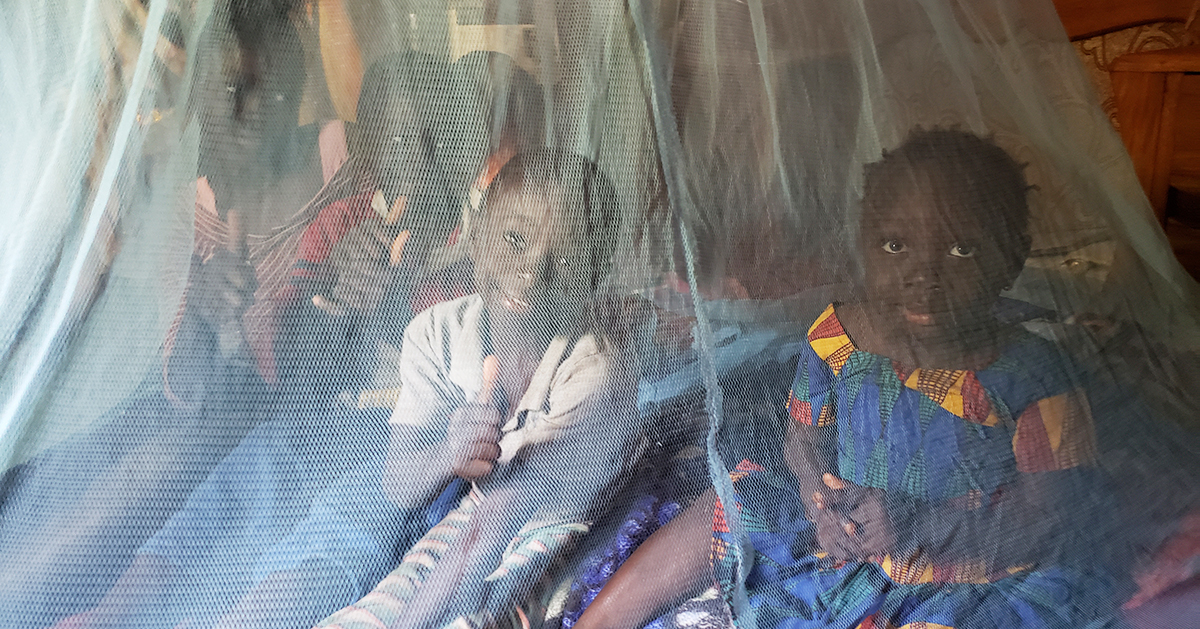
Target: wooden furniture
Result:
[1088, 18]
[1157, 93]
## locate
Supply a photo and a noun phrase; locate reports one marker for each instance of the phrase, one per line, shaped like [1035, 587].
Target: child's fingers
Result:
[397, 250]
[491, 369]
[835, 538]
[484, 451]
[833, 482]
[396, 211]
[330, 306]
[843, 494]
[476, 469]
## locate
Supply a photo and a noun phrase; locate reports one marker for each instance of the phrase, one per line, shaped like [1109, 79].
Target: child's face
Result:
[249, 109]
[932, 269]
[532, 262]
[398, 152]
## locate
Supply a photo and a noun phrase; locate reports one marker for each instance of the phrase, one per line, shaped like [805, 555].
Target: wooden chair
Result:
[1157, 93]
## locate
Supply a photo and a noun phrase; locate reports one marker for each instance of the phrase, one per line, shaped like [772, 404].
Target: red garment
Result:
[308, 237]
[327, 229]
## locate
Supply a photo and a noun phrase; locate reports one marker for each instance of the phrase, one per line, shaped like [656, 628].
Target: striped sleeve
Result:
[1055, 433]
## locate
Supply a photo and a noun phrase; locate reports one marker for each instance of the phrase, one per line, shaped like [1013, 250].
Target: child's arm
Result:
[668, 567]
[1053, 508]
[830, 503]
[560, 477]
[420, 467]
[430, 419]
[417, 470]
[808, 452]
[856, 523]
[1030, 522]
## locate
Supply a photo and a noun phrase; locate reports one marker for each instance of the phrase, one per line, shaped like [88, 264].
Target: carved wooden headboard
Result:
[1087, 18]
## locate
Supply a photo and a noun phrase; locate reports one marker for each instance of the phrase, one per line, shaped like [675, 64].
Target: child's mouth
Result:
[513, 303]
[917, 317]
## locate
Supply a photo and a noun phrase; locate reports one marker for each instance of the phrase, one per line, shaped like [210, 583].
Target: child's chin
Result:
[526, 320]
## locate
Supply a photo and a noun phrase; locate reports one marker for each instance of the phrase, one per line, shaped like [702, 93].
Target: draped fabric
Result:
[697, 313]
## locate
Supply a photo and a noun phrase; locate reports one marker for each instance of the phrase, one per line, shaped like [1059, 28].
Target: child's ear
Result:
[1022, 245]
[473, 232]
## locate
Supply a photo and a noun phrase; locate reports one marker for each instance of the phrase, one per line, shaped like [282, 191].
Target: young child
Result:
[520, 389]
[931, 450]
[214, 549]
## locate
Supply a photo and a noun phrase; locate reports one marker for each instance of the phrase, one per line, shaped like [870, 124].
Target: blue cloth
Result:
[68, 561]
[790, 587]
[291, 494]
[929, 438]
[355, 529]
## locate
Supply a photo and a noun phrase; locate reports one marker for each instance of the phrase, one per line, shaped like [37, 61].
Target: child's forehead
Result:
[922, 208]
[526, 198]
[535, 209]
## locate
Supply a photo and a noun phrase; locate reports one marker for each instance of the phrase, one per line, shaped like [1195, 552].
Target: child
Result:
[932, 445]
[147, 440]
[212, 550]
[520, 389]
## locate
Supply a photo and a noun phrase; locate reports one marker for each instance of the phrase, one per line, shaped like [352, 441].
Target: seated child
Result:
[520, 389]
[149, 440]
[932, 450]
[206, 556]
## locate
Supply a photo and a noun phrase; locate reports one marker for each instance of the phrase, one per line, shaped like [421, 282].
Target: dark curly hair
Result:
[967, 171]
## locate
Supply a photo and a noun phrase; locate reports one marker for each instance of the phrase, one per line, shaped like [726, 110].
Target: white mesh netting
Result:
[492, 313]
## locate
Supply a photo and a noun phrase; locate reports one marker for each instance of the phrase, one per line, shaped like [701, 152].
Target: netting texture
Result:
[516, 313]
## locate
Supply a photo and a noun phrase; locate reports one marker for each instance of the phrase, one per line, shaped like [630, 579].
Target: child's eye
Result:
[517, 241]
[962, 251]
[407, 139]
[894, 246]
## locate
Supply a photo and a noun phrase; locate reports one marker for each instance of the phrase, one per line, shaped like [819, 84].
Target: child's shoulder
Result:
[1029, 368]
[448, 319]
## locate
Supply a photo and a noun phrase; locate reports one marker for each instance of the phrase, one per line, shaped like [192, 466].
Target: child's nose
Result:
[537, 267]
[923, 274]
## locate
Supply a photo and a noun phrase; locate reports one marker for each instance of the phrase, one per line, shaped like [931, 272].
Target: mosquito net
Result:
[863, 316]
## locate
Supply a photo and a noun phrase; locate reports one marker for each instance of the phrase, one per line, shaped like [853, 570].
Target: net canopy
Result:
[492, 313]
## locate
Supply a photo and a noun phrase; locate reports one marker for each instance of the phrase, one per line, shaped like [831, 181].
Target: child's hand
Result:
[361, 265]
[223, 289]
[474, 439]
[852, 521]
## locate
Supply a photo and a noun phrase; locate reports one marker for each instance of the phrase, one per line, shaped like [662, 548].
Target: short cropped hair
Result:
[578, 182]
[969, 170]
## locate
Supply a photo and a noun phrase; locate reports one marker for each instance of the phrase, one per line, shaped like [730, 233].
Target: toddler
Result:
[930, 449]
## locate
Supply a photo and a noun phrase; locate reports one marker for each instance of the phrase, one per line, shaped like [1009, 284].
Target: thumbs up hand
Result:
[474, 439]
